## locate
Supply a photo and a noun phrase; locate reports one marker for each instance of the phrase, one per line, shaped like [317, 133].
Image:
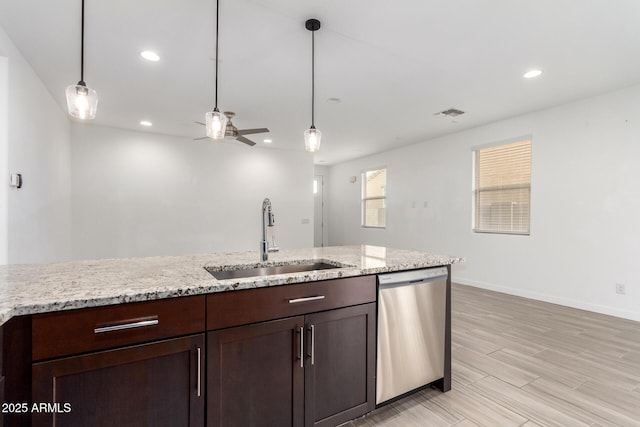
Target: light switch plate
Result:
[16, 180]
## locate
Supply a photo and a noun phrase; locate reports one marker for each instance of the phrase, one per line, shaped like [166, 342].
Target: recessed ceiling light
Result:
[150, 55]
[267, 141]
[145, 123]
[532, 74]
[334, 100]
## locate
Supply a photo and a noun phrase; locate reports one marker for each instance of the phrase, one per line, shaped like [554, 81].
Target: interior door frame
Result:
[319, 221]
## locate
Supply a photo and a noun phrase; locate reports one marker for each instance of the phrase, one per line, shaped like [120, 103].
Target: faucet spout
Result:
[268, 220]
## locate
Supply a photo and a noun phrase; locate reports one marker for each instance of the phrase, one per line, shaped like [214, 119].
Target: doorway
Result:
[318, 211]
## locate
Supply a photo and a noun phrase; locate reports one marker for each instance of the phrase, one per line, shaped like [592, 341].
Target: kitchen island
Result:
[73, 327]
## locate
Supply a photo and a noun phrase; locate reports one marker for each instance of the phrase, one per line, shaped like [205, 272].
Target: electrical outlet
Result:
[621, 289]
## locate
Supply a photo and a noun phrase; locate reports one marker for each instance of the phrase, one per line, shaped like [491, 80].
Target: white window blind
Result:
[374, 198]
[503, 188]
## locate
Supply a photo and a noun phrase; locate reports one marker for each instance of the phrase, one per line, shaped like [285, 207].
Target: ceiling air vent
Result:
[451, 112]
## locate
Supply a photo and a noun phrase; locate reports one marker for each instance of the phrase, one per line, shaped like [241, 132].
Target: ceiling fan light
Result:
[312, 138]
[216, 124]
[82, 102]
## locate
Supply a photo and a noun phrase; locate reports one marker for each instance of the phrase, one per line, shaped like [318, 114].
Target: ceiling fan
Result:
[231, 132]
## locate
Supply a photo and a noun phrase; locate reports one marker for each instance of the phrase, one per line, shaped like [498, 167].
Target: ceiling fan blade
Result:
[200, 123]
[245, 140]
[250, 131]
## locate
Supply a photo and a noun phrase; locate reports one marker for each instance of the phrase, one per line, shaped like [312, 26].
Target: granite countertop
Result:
[41, 288]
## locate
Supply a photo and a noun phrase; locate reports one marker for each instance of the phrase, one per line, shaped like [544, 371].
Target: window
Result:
[374, 198]
[502, 189]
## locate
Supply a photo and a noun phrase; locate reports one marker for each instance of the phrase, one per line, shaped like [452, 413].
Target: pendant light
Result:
[216, 123]
[82, 102]
[312, 135]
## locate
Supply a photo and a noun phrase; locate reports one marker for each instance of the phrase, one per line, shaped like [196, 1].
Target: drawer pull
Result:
[123, 326]
[293, 301]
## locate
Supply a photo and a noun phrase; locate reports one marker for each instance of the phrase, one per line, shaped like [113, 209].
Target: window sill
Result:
[509, 233]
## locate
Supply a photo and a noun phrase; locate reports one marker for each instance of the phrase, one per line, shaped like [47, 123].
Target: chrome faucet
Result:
[267, 220]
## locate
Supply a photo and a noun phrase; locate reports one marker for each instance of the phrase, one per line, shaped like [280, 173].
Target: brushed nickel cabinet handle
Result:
[313, 344]
[198, 384]
[296, 300]
[124, 326]
[302, 346]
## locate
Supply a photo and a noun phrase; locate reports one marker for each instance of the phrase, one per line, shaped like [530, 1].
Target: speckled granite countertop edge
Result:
[42, 288]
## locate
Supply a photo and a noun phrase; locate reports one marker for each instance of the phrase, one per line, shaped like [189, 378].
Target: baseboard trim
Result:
[596, 308]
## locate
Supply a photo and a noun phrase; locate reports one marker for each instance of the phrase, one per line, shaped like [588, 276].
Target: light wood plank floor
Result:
[520, 362]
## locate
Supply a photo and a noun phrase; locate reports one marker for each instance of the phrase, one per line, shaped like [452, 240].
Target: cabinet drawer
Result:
[236, 308]
[83, 330]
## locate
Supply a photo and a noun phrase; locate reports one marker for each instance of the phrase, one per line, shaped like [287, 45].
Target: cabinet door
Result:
[339, 377]
[157, 384]
[1, 399]
[255, 375]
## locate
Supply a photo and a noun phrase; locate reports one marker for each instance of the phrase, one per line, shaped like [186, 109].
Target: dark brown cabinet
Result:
[16, 369]
[1, 378]
[255, 377]
[157, 384]
[138, 364]
[1, 399]
[339, 375]
[313, 369]
[301, 354]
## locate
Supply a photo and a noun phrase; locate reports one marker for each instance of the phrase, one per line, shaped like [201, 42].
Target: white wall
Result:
[4, 159]
[323, 171]
[134, 194]
[142, 194]
[585, 205]
[37, 135]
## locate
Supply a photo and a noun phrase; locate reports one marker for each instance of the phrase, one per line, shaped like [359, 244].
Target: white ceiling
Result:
[392, 63]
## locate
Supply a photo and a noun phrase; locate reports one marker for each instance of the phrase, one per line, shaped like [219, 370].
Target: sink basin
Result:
[270, 270]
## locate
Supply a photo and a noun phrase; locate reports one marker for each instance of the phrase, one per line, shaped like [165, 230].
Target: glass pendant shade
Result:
[216, 124]
[312, 139]
[82, 102]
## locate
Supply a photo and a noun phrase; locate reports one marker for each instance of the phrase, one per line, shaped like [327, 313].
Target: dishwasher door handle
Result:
[415, 282]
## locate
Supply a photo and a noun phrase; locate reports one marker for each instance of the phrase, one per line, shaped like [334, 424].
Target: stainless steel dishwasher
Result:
[411, 330]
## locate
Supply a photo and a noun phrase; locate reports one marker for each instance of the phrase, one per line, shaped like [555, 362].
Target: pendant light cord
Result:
[82, 46]
[313, 78]
[217, 23]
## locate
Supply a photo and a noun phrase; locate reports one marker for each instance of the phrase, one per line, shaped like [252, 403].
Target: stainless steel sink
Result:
[270, 270]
